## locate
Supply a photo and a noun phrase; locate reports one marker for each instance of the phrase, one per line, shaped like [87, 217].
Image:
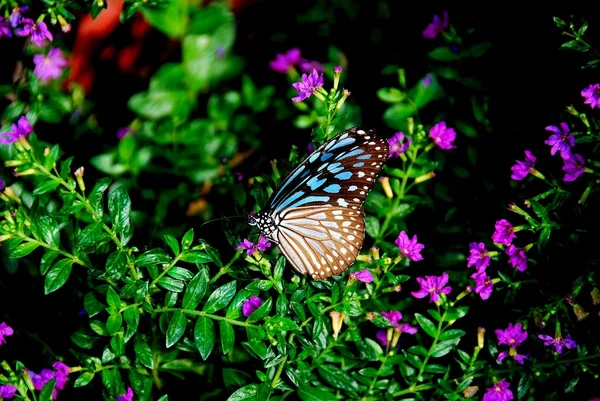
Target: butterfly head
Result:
[263, 221]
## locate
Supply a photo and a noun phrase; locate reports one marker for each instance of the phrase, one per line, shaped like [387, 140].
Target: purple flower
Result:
[409, 247]
[407, 328]
[7, 391]
[252, 304]
[123, 131]
[483, 285]
[381, 336]
[49, 66]
[558, 343]
[521, 169]
[44, 377]
[513, 354]
[21, 128]
[573, 167]
[479, 256]
[436, 27]
[284, 62]
[397, 144]
[5, 28]
[592, 95]
[38, 31]
[16, 17]
[62, 371]
[427, 81]
[308, 85]
[517, 257]
[442, 136]
[1, 184]
[561, 141]
[432, 286]
[128, 396]
[5, 331]
[499, 392]
[310, 147]
[309, 65]
[504, 233]
[393, 316]
[337, 69]
[250, 247]
[363, 276]
[513, 336]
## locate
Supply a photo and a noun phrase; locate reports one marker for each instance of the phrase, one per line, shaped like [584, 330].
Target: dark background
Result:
[527, 79]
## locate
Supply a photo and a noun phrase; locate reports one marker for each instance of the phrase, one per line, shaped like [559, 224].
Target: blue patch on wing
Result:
[332, 189]
[364, 157]
[350, 154]
[345, 142]
[314, 157]
[359, 164]
[290, 199]
[315, 183]
[310, 199]
[343, 176]
[326, 156]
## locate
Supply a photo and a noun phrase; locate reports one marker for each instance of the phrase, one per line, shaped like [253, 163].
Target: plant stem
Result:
[209, 315]
[166, 270]
[225, 269]
[433, 344]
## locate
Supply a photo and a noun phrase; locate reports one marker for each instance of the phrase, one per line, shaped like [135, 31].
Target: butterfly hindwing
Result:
[316, 214]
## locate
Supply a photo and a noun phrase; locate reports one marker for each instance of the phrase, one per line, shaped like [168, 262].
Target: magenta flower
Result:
[432, 286]
[427, 81]
[409, 247]
[483, 285]
[49, 66]
[308, 85]
[504, 233]
[128, 396]
[592, 95]
[38, 31]
[284, 62]
[123, 131]
[397, 144]
[513, 336]
[393, 316]
[5, 331]
[558, 343]
[337, 69]
[7, 391]
[573, 166]
[1, 184]
[479, 256]
[62, 371]
[517, 257]
[523, 168]
[407, 328]
[5, 28]
[443, 136]
[250, 247]
[21, 128]
[561, 140]
[363, 276]
[309, 65]
[436, 27]
[499, 392]
[250, 305]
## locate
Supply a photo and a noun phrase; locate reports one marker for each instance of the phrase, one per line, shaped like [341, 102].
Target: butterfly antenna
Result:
[222, 218]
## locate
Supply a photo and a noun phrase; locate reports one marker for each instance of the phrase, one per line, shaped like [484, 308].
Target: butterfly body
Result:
[316, 215]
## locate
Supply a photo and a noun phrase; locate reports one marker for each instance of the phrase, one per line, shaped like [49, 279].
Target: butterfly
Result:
[315, 215]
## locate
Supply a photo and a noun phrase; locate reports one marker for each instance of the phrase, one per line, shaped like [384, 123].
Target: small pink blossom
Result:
[409, 248]
[363, 276]
[432, 286]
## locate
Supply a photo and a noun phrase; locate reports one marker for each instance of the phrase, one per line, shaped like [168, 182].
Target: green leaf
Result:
[372, 226]
[337, 378]
[427, 325]
[116, 264]
[46, 261]
[152, 257]
[196, 257]
[261, 311]
[114, 323]
[204, 336]
[561, 24]
[47, 186]
[187, 239]
[49, 232]
[57, 276]
[83, 340]
[220, 297]
[22, 250]
[279, 324]
[452, 334]
[524, 385]
[246, 393]
[46, 393]
[195, 290]
[390, 95]
[176, 328]
[180, 273]
[443, 53]
[91, 305]
[84, 379]
[170, 284]
[113, 300]
[95, 195]
[443, 348]
[117, 343]
[143, 352]
[91, 237]
[544, 236]
[119, 207]
[158, 104]
[173, 244]
[227, 336]
[131, 316]
[171, 18]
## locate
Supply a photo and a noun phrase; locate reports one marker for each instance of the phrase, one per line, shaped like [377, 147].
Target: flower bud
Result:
[375, 252]
[470, 391]
[387, 189]
[579, 312]
[340, 103]
[64, 25]
[337, 71]
[46, 151]
[337, 320]
[364, 258]
[595, 296]
[79, 177]
[425, 177]
[480, 337]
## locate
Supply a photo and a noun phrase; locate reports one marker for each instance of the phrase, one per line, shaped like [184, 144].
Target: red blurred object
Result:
[91, 43]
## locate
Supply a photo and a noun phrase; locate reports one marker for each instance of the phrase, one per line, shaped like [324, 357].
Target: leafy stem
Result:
[225, 269]
[205, 314]
[438, 333]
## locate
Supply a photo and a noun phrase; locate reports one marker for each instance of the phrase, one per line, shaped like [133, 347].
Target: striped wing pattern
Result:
[316, 214]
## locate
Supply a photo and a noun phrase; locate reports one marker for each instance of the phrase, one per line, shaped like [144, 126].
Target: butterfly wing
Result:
[317, 210]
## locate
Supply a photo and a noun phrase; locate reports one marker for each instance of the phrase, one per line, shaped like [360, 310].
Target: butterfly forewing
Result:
[316, 215]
